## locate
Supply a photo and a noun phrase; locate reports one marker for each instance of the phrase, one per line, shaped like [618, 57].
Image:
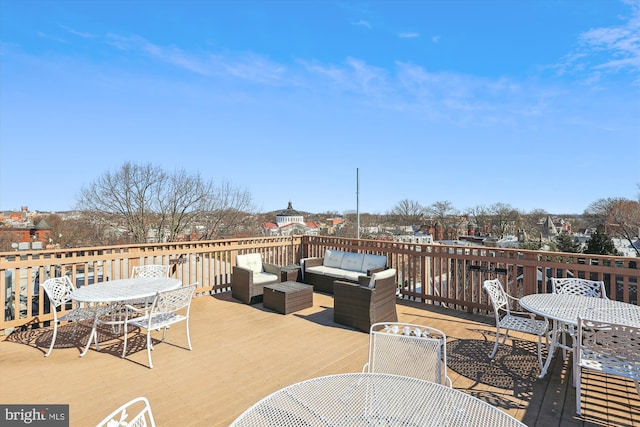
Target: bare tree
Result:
[350, 227]
[506, 219]
[370, 225]
[597, 212]
[480, 216]
[181, 201]
[448, 217]
[229, 211]
[531, 223]
[6, 240]
[619, 216]
[132, 193]
[407, 212]
[154, 206]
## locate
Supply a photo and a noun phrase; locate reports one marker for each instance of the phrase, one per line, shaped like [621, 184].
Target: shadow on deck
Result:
[242, 353]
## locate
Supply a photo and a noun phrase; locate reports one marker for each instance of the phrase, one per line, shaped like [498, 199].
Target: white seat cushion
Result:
[352, 275]
[327, 271]
[251, 262]
[264, 278]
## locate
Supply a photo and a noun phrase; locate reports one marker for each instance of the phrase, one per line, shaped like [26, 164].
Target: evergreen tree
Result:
[565, 243]
[600, 244]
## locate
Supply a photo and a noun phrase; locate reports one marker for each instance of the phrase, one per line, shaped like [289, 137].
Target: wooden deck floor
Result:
[242, 353]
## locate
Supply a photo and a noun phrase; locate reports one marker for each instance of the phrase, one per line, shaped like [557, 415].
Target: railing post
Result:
[530, 276]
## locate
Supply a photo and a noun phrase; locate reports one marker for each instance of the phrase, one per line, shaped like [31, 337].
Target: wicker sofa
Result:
[250, 275]
[339, 265]
[370, 301]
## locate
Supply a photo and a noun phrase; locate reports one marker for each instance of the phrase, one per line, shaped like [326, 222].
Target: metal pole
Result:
[358, 203]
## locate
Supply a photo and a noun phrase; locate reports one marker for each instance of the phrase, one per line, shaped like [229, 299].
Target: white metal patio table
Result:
[566, 308]
[121, 290]
[357, 399]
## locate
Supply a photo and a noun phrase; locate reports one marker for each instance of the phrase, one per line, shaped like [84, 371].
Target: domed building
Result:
[290, 222]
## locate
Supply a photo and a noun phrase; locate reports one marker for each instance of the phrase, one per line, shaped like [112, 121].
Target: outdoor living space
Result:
[242, 353]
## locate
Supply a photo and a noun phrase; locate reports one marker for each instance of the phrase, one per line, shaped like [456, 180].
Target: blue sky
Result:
[535, 104]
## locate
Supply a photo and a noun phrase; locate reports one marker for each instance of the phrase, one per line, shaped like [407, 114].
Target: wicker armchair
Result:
[250, 275]
[370, 301]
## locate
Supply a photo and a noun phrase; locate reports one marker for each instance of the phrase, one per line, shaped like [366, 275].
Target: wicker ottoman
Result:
[287, 297]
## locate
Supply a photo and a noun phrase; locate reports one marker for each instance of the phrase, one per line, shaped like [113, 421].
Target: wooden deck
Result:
[242, 353]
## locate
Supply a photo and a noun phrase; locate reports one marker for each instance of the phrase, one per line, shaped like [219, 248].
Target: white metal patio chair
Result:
[119, 417]
[147, 271]
[513, 320]
[611, 348]
[150, 270]
[407, 349]
[117, 309]
[59, 290]
[168, 308]
[574, 286]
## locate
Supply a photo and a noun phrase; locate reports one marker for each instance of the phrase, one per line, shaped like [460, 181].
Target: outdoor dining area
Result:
[566, 357]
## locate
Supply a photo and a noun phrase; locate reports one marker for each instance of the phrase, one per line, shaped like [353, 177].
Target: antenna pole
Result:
[358, 203]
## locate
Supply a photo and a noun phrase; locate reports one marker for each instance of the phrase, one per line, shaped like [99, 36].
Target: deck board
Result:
[242, 353]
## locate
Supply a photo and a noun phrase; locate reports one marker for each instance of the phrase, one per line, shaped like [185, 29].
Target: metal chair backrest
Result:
[575, 286]
[410, 350]
[498, 297]
[614, 348]
[610, 348]
[59, 290]
[150, 271]
[169, 302]
[119, 417]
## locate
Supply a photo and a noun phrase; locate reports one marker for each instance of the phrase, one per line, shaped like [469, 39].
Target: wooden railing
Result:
[209, 263]
[447, 275]
[453, 275]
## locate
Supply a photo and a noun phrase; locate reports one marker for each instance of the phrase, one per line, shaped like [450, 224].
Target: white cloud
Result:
[361, 23]
[78, 33]
[247, 66]
[409, 35]
[355, 76]
[607, 49]
[623, 44]
[50, 37]
[251, 67]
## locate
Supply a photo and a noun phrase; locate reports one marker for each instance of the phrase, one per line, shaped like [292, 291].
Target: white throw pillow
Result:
[352, 261]
[373, 261]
